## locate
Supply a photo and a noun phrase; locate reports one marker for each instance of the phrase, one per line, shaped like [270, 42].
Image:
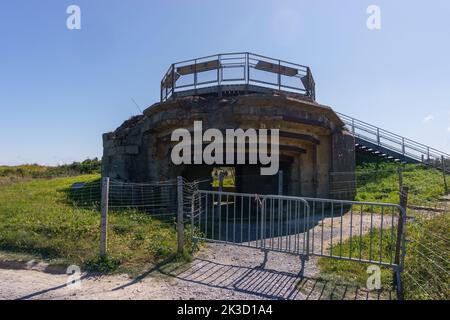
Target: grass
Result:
[227, 183]
[11, 174]
[354, 272]
[36, 217]
[379, 182]
[426, 262]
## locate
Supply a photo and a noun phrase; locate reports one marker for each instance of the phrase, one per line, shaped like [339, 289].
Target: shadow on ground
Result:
[264, 283]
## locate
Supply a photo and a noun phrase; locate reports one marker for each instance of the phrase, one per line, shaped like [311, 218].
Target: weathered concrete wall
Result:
[342, 178]
[312, 142]
[324, 159]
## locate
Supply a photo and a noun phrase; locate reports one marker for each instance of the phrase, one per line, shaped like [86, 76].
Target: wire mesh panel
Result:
[85, 194]
[189, 190]
[158, 199]
[427, 263]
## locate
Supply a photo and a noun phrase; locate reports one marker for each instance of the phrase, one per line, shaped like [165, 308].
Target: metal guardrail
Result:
[238, 69]
[402, 146]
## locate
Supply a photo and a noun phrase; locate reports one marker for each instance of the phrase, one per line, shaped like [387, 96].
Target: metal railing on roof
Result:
[241, 69]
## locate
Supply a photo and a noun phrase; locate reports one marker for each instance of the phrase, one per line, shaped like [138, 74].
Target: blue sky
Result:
[61, 89]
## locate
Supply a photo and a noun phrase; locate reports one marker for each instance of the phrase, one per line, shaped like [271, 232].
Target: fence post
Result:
[104, 217]
[280, 182]
[180, 215]
[444, 173]
[193, 238]
[400, 243]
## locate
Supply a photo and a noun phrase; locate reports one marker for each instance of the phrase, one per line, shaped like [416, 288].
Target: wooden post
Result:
[280, 182]
[444, 173]
[400, 243]
[104, 217]
[180, 215]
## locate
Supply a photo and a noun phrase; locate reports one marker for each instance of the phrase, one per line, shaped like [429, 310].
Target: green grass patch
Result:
[379, 182]
[38, 217]
[11, 174]
[426, 262]
[360, 248]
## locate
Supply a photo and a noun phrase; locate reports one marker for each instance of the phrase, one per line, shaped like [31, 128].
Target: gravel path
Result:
[218, 272]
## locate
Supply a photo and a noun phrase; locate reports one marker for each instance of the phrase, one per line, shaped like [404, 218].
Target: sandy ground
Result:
[218, 272]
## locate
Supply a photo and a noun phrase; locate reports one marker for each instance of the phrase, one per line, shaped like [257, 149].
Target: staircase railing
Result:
[405, 147]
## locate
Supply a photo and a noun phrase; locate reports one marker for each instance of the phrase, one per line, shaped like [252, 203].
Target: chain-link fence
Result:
[427, 263]
[127, 207]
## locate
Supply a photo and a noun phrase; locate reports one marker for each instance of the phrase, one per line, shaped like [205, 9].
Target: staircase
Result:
[390, 146]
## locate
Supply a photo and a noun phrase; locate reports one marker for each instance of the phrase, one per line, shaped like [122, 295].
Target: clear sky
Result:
[61, 89]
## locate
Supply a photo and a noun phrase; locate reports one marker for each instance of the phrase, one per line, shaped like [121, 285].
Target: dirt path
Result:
[217, 272]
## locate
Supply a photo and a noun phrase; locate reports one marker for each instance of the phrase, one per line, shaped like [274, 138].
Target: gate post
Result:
[180, 216]
[104, 216]
[400, 243]
[194, 239]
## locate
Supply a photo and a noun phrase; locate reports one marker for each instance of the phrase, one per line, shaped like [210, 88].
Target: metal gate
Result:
[274, 223]
[365, 232]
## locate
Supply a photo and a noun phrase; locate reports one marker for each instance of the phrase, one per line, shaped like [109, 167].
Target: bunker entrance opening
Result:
[239, 178]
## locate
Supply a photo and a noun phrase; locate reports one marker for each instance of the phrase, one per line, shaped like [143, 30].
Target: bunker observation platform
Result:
[234, 74]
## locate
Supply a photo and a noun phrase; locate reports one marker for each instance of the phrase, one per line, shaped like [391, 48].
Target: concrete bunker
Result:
[230, 91]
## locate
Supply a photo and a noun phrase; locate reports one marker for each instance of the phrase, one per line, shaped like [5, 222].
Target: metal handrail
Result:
[254, 70]
[393, 141]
